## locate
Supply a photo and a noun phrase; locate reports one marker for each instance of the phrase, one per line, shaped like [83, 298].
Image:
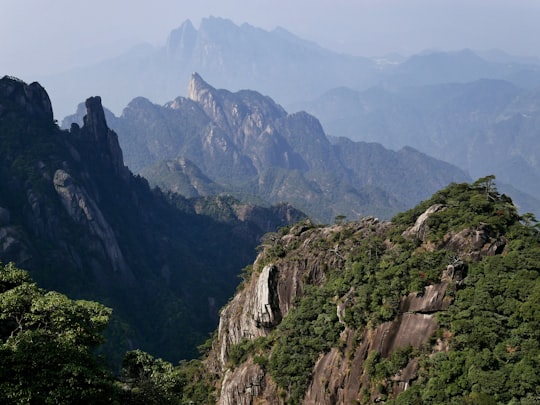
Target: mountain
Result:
[247, 144]
[445, 67]
[276, 62]
[437, 306]
[229, 55]
[74, 215]
[440, 305]
[483, 126]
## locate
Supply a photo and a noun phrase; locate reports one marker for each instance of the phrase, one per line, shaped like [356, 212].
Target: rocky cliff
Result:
[355, 312]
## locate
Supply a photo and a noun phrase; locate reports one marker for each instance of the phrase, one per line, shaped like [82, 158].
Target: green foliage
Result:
[147, 380]
[46, 341]
[308, 330]
[465, 206]
[493, 324]
[495, 332]
[46, 354]
[255, 348]
[381, 276]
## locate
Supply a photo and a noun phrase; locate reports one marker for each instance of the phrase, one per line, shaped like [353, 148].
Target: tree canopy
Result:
[46, 342]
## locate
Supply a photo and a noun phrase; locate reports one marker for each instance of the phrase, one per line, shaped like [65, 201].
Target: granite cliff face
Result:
[304, 259]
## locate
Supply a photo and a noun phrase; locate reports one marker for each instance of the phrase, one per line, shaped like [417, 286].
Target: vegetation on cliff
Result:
[358, 279]
[474, 249]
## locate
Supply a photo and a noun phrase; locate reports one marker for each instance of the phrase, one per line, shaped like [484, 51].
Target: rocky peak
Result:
[217, 28]
[209, 99]
[181, 41]
[420, 228]
[94, 119]
[198, 88]
[106, 140]
[32, 98]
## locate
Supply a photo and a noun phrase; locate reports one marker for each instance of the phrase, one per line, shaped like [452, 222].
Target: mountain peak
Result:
[181, 41]
[197, 87]
[96, 125]
[215, 24]
[94, 119]
[31, 97]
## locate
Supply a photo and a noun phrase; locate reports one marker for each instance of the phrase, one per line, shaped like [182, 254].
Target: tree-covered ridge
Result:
[492, 327]
[474, 250]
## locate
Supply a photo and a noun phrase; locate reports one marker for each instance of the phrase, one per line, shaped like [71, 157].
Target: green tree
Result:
[46, 342]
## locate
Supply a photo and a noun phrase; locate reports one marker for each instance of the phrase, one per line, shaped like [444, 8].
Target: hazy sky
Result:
[44, 36]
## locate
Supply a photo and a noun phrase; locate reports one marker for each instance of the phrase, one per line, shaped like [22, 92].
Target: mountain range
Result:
[483, 126]
[438, 305]
[277, 63]
[473, 109]
[231, 56]
[248, 145]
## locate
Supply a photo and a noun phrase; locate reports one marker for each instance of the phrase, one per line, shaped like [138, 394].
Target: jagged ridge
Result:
[248, 144]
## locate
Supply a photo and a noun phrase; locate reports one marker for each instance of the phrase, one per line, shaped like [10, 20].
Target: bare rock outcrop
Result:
[431, 300]
[250, 314]
[105, 140]
[420, 228]
[206, 96]
[83, 209]
[243, 384]
[474, 243]
[32, 98]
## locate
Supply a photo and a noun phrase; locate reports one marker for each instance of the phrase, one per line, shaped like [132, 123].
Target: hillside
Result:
[74, 215]
[437, 306]
[247, 144]
[440, 305]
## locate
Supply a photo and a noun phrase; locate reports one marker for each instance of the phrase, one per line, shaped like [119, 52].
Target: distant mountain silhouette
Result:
[277, 63]
[483, 126]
